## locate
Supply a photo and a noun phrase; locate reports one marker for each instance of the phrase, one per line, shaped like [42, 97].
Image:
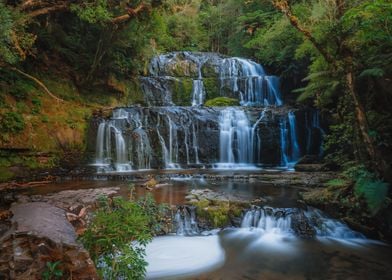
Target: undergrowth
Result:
[118, 234]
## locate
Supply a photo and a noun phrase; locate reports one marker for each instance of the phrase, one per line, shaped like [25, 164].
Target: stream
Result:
[264, 247]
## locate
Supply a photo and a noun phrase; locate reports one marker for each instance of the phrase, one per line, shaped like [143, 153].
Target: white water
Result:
[198, 93]
[295, 152]
[235, 139]
[185, 221]
[179, 256]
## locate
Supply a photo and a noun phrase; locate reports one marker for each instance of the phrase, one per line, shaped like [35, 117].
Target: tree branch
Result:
[48, 10]
[131, 13]
[38, 82]
[285, 8]
[16, 44]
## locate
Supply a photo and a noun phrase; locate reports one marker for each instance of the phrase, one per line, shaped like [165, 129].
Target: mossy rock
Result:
[209, 70]
[182, 68]
[221, 102]
[212, 87]
[217, 214]
[5, 174]
[182, 91]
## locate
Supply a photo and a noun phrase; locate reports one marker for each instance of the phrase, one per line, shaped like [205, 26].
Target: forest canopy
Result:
[334, 55]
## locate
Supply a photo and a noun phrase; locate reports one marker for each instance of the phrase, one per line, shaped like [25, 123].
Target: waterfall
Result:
[273, 95]
[268, 220]
[294, 221]
[195, 144]
[256, 139]
[100, 143]
[295, 152]
[198, 93]
[236, 77]
[168, 136]
[312, 124]
[185, 221]
[173, 145]
[235, 139]
[290, 151]
[122, 162]
[165, 152]
[283, 142]
[248, 80]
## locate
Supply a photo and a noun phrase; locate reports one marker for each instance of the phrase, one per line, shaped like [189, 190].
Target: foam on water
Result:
[180, 256]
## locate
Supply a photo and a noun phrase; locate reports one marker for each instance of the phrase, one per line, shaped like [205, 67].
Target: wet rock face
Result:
[171, 76]
[152, 137]
[186, 64]
[301, 226]
[43, 219]
[24, 256]
[42, 234]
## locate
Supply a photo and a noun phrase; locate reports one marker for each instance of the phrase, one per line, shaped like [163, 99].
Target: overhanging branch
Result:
[285, 8]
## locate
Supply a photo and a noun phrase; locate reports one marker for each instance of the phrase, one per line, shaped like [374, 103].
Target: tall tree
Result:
[341, 58]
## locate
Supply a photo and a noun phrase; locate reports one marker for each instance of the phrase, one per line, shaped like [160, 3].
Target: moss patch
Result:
[5, 174]
[217, 213]
[212, 88]
[182, 91]
[222, 101]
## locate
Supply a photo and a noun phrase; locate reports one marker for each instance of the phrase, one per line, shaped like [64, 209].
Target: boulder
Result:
[42, 234]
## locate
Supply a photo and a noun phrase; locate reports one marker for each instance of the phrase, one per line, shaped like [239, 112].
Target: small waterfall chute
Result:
[185, 221]
[235, 139]
[295, 222]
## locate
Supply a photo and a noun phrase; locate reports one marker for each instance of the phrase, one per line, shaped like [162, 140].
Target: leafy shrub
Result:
[52, 271]
[374, 191]
[36, 105]
[118, 234]
[337, 183]
[222, 101]
[12, 122]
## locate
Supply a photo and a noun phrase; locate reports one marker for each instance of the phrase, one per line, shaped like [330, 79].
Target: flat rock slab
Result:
[45, 220]
[71, 198]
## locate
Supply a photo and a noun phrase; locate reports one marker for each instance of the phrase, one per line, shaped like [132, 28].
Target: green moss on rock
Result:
[222, 101]
[5, 174]
[217, 213]
[182, 91]
[212, 87]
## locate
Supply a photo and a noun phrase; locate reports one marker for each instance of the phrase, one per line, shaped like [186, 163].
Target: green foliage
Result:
[36, 105]
[12, 29]
[118, 234]
[337, 183]
[92, 11]
[367, 186]
[5, 174]
[221, 102]
[12, 122]
[52, 271]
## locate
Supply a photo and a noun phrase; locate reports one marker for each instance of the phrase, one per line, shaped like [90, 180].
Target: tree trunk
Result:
[377, 161]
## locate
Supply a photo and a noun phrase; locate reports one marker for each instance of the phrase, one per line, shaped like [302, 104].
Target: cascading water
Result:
[185, 221]
[248, 80]
[313, 128]
[297, 222]
[173, 137]
[235, 140]
[290, 151]
[198, 93]
[295, 152]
